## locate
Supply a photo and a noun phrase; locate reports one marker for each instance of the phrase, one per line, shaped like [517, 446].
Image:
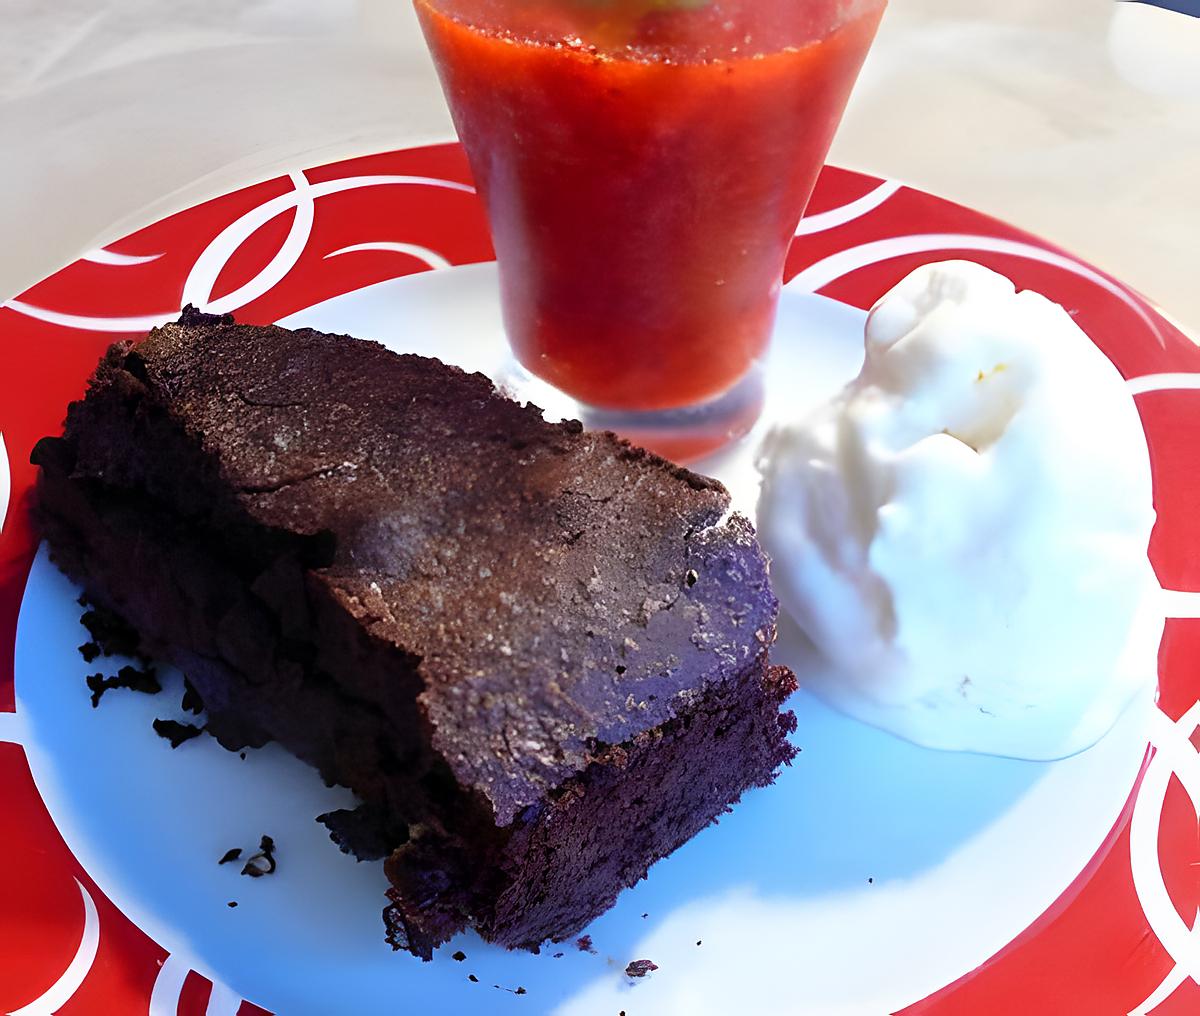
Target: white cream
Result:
[962, 530]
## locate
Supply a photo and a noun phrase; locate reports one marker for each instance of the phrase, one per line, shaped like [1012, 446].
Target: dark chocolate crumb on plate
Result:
[176, 732]
[472, 978]
[231, 903]
[192, 702]
[698, 942]
[584, 944]
[459, 956]
[232, 854]
[89, 651]
[98, 685]
[82, 600]
[242, 755]
[132, 678]
[644, 916]
[518, 990]
[558, 956]
[640, 968]
[262, 863]
[870, 881]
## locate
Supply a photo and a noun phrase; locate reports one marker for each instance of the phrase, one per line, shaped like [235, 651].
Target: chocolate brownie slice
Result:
[537, 654]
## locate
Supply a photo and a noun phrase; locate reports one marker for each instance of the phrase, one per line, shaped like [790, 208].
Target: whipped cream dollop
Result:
[962, 530]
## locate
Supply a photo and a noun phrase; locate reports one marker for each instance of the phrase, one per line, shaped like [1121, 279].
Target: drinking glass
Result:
[644, 165]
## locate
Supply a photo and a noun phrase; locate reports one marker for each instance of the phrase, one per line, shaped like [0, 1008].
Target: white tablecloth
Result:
[1077, 119]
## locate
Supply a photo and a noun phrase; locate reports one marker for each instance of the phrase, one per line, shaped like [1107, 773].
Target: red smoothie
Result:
[644, 164]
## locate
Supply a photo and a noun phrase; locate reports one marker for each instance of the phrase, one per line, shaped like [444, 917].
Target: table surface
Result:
[1077, 119]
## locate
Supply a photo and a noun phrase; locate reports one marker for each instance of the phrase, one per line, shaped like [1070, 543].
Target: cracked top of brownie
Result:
[559, 591]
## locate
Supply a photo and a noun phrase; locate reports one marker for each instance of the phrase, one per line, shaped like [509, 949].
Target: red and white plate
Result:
[874, 877]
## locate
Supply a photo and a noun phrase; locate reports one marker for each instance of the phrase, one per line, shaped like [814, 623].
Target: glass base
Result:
[683, 435]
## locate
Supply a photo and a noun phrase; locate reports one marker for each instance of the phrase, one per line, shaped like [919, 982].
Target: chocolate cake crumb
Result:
[518, 990]
[176, 732]
[584, 944]
[232, 854]
[640, 968]
[459, 956]
[242, 755]
[82, 600]
[144, 681]
[558, 956]
[192, 702]
[644, 916]
[870, 881]
[698, 942]
[472, 978]
[231, 903]
[262, 863]
[98, 684]
[89, 651]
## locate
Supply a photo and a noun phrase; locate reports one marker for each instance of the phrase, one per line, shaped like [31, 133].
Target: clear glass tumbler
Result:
[644, 164]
